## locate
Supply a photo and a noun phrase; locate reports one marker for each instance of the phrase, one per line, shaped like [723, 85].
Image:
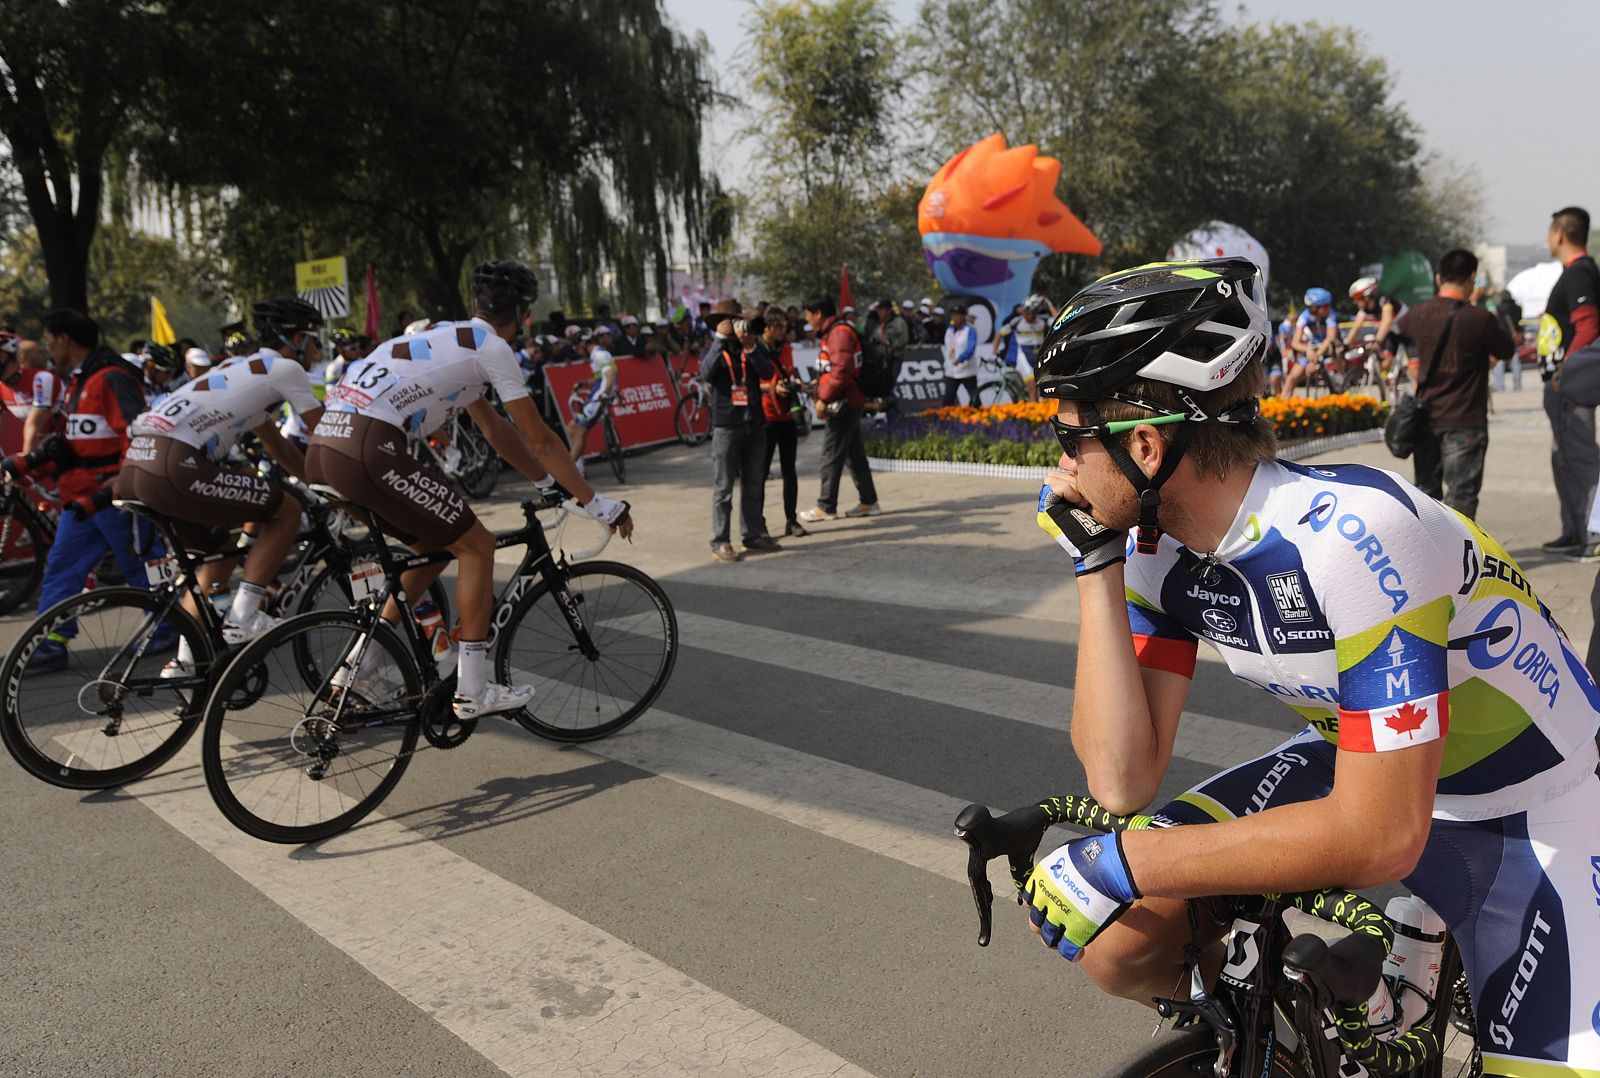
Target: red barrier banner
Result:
[642, 411]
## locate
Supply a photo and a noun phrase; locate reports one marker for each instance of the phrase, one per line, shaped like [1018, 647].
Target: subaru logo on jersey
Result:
[1289, 595]
[1219, 620]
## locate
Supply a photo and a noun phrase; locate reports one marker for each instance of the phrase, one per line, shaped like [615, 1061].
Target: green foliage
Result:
[1165, 117]
[970, 449]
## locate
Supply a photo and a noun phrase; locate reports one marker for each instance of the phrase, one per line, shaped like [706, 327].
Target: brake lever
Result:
[986, 839]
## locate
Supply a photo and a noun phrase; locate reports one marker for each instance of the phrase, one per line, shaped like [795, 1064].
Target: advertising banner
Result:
[643, 409]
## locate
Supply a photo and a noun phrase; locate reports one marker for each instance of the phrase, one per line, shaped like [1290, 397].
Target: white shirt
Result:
[960, 352]
[211, 412]
[415, 382]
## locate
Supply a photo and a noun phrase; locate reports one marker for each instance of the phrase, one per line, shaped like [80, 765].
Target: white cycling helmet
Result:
[1363, 288]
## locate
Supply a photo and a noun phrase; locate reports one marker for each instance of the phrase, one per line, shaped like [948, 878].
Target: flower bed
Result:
[1020, 433]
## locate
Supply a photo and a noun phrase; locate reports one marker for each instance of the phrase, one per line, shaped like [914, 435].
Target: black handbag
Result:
[1400, 430]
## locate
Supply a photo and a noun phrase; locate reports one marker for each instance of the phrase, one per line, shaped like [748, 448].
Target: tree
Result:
[63, 105]
[827, 78]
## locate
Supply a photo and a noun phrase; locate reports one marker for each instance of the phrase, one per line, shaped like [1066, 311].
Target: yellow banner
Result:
[160, 328]
[320, 273]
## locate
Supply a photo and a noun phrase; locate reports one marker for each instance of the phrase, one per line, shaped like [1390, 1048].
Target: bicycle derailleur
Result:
[439, 723]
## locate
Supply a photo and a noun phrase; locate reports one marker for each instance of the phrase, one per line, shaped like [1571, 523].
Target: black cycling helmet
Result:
[503, 288]
[1192, 324]
[341, 337]
[281, 318]
[163, 357]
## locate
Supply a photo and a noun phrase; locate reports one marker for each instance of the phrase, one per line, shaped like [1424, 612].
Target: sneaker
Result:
[762, 543]
[1584, 553]
[795, 529]
[817, 515]
[724, 552]
[234, 634]
[176, 668]
[1566, 544]
[48, 657]
[864, 510]
[495, 700]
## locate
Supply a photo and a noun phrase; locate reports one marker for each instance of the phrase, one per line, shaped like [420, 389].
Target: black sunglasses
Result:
[1068, 434]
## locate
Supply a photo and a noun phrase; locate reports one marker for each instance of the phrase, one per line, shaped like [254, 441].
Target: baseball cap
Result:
[573, 331]
[197, 357]
[938, 310]
[629, 320]
[906, 305]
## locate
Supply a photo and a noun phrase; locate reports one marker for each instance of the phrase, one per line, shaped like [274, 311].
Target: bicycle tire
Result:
[316, 593]
[43, 719]
[692, 421]
[992, 393]
[23, 548]
[263, 743]
[1190, 1053]
[568, 685]
[614, 450]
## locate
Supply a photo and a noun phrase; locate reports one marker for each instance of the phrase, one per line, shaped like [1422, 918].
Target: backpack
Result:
[875, 379]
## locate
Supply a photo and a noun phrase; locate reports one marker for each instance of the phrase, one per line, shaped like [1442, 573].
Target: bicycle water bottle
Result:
[1415, 959]
[431, 622]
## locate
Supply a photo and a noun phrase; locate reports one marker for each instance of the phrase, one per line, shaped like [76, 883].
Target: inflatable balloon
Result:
[989, 215]
[1219, 239]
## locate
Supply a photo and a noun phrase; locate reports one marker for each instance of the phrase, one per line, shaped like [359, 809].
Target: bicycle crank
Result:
[439, 722]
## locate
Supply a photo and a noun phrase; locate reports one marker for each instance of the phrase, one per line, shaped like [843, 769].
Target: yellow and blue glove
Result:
[1075, 892]
[1093, 546]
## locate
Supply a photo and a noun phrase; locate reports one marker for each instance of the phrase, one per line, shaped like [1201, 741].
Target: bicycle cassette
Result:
[439, 723]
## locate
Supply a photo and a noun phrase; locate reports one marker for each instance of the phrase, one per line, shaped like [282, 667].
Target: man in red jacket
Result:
[839, 403]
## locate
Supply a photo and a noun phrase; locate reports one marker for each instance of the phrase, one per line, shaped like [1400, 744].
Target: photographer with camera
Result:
[734, 369]
[788, 420]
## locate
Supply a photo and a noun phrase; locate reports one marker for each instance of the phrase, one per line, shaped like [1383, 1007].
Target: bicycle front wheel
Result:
[300, 741]
[23, 548]
[579, 695]
[614, 451]
[993, 393]
[90, 709]
[1190, 1053]
[692, 421]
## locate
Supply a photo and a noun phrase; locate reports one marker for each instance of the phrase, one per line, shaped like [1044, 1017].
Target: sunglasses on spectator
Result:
[1068, 434]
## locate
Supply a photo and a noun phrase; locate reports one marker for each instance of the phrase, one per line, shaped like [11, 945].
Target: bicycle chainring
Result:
[439, 723]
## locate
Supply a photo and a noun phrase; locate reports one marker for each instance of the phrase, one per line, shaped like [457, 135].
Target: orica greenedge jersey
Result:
[1387, 620]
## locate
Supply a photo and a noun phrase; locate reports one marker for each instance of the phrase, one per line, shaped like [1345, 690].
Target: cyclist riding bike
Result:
[411, 385]
[176, 461]
[1381, 311]
[163, 372]
[1021, 337]
[1451, 737]
[602, 390]
[1316, 335]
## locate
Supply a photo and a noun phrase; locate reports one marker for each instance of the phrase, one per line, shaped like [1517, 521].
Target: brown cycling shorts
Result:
[365, 460]
[203, 499]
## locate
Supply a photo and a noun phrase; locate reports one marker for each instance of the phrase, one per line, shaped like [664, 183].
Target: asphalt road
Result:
[756, 878]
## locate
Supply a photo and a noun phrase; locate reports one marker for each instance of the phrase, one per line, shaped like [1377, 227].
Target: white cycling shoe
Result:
[368, 682]
[234, 633]
[176, 668]
[496, 700]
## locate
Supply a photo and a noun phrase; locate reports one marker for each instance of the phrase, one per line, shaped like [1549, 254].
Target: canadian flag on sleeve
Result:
[1415, 722]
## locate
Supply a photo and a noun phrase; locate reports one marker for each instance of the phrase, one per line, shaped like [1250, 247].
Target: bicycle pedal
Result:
[440, 726]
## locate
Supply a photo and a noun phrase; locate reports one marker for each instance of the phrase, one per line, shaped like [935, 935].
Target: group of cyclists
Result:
[1306, 343]
[142, 432]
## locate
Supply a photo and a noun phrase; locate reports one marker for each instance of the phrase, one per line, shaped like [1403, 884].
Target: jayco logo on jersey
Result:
[1324, 506]
[1219, 620]
[1197, 592]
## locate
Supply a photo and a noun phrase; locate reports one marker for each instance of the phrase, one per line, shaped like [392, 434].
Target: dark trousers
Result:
[951, 385]
[738, 453]
[1574, 460]
[78, 548]
[783, 439]
[1449, 463]
[842, 442]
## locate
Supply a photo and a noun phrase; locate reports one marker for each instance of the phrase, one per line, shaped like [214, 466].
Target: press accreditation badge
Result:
[741, 396]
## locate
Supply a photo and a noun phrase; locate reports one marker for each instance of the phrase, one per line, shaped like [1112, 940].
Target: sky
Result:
[1506, 91]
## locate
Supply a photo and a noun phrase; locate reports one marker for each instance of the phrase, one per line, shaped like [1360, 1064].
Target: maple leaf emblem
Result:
[1407, 720]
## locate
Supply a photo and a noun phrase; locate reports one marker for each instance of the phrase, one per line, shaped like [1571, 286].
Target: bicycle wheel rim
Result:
[22, 552]
[576, 698]
[299, 763]
[107, 717]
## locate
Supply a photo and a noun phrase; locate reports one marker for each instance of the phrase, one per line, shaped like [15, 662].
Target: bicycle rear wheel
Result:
[23, 547]
[107, 716]
[635, 644]
[994, 393]
[614, 450]
[297, 758]
[692, 420]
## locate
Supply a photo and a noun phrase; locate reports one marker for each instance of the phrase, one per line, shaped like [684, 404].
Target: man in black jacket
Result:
[734, 369]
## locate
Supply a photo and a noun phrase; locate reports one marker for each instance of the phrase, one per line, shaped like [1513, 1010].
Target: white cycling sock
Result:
[246, 601]
[185, 652]
[472, 673]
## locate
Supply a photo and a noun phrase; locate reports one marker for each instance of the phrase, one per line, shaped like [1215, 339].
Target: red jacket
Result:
[839, 365]
[774, 407]
[104, 397]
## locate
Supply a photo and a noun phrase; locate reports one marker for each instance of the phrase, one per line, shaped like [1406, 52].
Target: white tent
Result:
[1531, 288]
[1219, 239]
